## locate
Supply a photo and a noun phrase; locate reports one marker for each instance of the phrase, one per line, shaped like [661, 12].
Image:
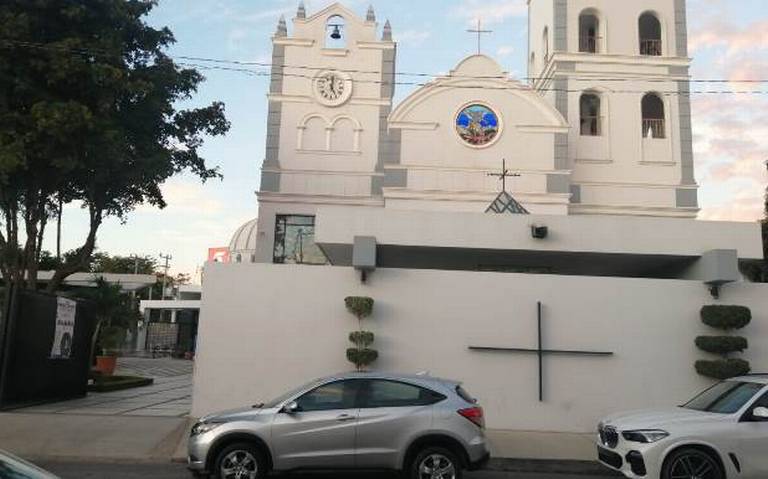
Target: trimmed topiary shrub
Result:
[362, 339]
[723, 368]
[360, 306]
[361, 355]
[722, 344]
[726, 317]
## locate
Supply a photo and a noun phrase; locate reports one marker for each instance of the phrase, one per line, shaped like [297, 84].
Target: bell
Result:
[336, 35]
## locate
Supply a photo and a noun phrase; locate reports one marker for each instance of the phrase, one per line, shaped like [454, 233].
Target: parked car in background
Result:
[12, 467]
[721, 433]
[423, 426]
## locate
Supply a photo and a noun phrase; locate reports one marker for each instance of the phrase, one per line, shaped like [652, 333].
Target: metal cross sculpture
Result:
[479, 31]
[541, 352]
[505, 173]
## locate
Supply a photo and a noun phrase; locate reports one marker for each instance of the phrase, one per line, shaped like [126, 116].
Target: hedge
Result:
[726, 317]
[362, 339]
[722, 344]
[362, 357]
[723, 368]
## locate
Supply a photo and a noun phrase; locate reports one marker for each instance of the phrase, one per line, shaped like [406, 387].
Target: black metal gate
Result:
[30, 371]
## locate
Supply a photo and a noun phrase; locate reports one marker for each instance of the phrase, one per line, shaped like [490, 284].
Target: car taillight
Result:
[474, 414]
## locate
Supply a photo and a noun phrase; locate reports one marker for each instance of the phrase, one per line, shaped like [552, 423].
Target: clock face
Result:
[332, 89]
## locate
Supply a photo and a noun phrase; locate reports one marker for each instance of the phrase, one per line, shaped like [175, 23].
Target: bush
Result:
[362, 339]
[723, 368]
[362, 357]
[726, 317]
[722, 344]
[360, 306]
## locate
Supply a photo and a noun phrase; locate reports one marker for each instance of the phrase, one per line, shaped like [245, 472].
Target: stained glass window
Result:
[295, 241]
[478, 125]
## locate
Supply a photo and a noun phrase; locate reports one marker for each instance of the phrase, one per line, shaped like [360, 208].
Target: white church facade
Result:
[597, 237]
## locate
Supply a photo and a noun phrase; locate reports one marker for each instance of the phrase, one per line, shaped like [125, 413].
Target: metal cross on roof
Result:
[479, 31]
[505, 173]
[540, 351]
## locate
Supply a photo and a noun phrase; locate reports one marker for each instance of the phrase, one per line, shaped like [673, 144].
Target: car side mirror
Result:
[760, 413]
[291, 408]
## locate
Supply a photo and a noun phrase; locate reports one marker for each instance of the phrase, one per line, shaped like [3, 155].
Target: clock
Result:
[333, 88]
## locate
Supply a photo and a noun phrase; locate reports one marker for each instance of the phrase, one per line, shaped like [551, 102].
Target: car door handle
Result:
[345, 418]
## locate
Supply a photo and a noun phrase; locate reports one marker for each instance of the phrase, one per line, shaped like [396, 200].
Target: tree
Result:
[115, 314]
[88, 115]
[104, 263]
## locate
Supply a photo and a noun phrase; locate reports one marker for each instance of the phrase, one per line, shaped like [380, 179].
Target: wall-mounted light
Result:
[539, 232]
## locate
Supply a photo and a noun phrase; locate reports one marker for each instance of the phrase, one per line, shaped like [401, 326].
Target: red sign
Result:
[218, 255]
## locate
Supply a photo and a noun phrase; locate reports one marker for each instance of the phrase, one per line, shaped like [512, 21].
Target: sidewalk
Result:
[93, 438]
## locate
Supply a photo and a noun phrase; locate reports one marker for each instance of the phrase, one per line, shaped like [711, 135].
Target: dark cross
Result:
[504, 175]
[541, 352]
[479, 31]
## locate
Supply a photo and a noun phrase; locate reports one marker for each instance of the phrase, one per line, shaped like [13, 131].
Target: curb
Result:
[547, 466]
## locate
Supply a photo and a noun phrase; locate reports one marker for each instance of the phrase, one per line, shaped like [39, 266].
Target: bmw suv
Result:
[721, 433]
[422, 426]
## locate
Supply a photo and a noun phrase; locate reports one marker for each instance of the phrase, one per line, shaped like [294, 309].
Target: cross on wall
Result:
[541, 352]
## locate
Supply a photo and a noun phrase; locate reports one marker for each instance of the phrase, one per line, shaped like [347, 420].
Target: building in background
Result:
[594, 247]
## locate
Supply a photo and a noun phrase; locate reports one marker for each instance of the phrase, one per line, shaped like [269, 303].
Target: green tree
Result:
[88, 115]
[104, 263]
[115, 314]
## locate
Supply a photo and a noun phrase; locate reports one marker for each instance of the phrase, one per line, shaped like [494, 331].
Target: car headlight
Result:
[645, 436]
[203, 427]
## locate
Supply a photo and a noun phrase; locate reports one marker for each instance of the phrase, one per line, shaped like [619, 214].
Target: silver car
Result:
[12, 467]
[425, 427]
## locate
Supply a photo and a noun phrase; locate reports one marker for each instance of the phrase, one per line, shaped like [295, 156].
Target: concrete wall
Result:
[598, 234]
[266, 328]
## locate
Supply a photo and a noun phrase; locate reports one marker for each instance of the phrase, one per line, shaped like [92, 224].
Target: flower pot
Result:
[106, 365]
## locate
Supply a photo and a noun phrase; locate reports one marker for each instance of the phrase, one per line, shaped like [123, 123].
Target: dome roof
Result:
[244, 239]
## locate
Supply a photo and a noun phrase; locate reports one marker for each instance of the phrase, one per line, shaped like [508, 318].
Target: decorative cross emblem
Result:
[505, 173]
[541, 352]
[479, 31]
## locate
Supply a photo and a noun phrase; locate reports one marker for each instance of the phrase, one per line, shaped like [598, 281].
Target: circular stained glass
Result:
[477, 125]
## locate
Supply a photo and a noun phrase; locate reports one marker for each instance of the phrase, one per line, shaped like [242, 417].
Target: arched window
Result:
[315, 134]
[545, 44]
[650, 35]
[344, 135]
[589, 32]
[653, 116]
[336, 32]
[590, 114]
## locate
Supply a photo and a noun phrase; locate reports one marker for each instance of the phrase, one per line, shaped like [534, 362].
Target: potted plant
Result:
[362, 355]
[114, 313]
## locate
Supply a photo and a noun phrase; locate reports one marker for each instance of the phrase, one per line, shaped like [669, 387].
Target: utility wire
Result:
[239, 68]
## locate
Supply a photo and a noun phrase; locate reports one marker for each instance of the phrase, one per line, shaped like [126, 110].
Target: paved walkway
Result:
[169, 396]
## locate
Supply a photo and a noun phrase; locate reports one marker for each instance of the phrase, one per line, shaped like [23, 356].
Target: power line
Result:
[256, 73]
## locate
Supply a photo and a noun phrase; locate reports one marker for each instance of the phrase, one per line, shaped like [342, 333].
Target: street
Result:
[73, 470]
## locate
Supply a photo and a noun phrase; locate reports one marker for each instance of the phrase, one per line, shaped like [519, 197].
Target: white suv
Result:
[722, 433]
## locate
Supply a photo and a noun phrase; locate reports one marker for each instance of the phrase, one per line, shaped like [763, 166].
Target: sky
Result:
[728, 40]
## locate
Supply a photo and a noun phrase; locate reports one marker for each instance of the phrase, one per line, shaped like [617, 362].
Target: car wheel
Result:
[435, 463]
[240, 461]
[692, 464]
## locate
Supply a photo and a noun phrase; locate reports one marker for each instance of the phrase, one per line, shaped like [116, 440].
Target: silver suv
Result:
[426, 427]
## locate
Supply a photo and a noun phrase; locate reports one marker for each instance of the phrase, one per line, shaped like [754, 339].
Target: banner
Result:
[66, 310]
[218, 255]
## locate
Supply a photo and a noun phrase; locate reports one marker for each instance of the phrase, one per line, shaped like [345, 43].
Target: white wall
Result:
[266, 328]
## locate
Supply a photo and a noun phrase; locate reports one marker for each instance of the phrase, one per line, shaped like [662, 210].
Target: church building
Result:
[484, 215]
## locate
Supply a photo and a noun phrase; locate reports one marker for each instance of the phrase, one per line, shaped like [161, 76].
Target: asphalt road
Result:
[178, 471]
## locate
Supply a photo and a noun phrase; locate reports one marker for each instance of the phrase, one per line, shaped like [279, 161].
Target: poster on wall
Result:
[66, 310]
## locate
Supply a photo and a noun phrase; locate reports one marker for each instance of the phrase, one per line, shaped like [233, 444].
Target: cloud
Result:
[730, 130]
[491, 12]
[413, 37]
[505, 50]
[186, 197]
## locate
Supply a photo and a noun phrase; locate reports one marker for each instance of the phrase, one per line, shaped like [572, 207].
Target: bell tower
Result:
[618, 71]
[331, 91]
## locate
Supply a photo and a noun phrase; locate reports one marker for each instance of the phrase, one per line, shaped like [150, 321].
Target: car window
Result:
[464, 394]
[762, 402]
[19, 470]
[383, 393]
[337, 395]
[725, 398]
